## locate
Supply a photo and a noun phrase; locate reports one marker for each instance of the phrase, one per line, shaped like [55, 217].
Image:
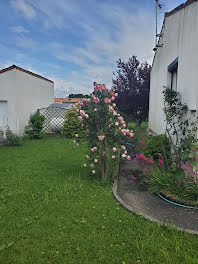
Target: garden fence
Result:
[54, 118]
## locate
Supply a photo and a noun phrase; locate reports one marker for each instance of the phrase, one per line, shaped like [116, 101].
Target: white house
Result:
[21, 93]
[175, 63]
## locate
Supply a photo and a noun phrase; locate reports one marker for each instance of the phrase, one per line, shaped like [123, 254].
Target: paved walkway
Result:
[132, 195]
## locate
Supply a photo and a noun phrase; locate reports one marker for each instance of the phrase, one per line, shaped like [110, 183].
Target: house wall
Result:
[32, 93]
[8, 93]
[180, 40]
[25, 94]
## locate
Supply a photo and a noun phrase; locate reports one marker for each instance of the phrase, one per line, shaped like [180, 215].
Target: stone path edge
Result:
[132, 210]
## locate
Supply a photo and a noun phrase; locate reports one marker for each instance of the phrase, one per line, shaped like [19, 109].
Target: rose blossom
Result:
[115, 114]
[116, 94]
[94, 149]
[80, 118]
[116, 124]
[112, 98]
[123, 155]
[107, 100]
[114, 149]
[95, 109]
[123, 147]
[114, 104]
[128, 158]
[113, 156]
[95, 160]
[101, 138]
[96, 100]
[91, 165]
[85, 165]
[131, 135]
[93, 171]
[76, 135]
[193, 150]
[111, 109]
[86, 116]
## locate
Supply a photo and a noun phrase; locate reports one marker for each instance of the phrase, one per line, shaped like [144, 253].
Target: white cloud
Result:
[25, 42]
[24, 7]
[19, 29]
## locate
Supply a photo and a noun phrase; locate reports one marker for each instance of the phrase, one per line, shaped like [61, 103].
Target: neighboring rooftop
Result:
[188, 2]
[26, 71]
[68, 100]
[64, 106]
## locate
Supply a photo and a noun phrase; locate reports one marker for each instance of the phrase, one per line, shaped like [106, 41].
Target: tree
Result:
[79, 96]
[132, 83]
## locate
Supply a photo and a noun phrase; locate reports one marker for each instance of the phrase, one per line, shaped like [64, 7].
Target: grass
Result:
[52, 211]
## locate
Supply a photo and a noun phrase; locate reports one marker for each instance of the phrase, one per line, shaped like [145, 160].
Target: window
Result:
[174, 80]
[172, 68]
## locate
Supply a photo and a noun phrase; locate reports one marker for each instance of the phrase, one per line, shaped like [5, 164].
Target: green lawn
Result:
[52, 211]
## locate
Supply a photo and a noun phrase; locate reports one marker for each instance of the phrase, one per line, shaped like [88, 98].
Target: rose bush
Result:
[105, 129]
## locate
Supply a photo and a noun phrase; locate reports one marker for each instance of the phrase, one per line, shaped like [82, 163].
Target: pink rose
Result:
[80, 118]
[95, 160]
[86, 116]
[128, 158]
[133, 178]
[114, 149]
[91, 165]
[111, 109]
[123, 155]
[101, 138]
[123, 147]
[95, 109]
[112, 98]
[113, 156]
[115, 113]
[96, 100]
[193, 149]
[107, 100]
[131, 135]
[116, 124]
[114, 105]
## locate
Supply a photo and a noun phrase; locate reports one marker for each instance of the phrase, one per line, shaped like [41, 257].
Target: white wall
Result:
[8, 93]
[25, 94]
[180, 40]
[32, 93]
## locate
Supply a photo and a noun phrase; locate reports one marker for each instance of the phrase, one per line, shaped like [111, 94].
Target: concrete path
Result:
[132, 195]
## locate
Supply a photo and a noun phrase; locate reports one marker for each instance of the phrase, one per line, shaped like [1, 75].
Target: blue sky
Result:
[76, 42]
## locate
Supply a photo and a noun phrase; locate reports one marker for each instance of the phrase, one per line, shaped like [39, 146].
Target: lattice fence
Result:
[54, 118]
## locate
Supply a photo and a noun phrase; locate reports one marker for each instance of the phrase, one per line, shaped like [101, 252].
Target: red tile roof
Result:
[23, 70]
[68, 100]
[179, 7]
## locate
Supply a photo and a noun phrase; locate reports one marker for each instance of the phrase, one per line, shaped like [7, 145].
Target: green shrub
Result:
[35, 126]
[72, 125]
[12, 139]
[158, 144]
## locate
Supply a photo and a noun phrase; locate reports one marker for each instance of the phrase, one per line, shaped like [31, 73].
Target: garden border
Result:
[132, 210]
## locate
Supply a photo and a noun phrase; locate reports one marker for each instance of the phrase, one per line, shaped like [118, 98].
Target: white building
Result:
[21, 93]
[175, 63]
